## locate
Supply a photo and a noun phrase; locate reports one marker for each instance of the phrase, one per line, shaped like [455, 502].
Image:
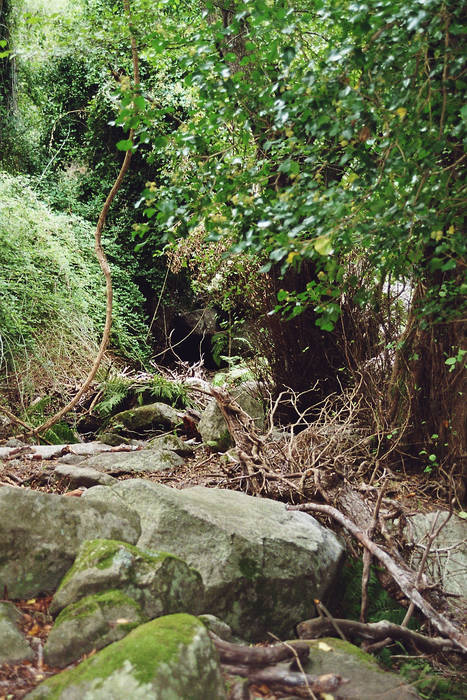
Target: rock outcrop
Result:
[262, 566]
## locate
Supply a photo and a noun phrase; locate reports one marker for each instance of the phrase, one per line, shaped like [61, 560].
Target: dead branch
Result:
[297, 662]
[259, 656]
[84, 449]
[321, 608]
[432, 535]
[13, 418]
[405, 577]
[374, 631]
[243, 430]
[281, 678]
[367, 556]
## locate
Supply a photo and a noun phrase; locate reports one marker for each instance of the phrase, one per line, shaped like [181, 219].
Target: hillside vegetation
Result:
[52, 300]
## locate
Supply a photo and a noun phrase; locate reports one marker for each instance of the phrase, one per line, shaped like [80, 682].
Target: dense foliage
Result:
[303, 159]
[52, 300]
[302, 146]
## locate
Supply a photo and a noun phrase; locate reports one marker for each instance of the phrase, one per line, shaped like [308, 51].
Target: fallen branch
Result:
[367, 555]
[243, 430]
[373, 631]
[259, 656]
[283, 679]
[405, 577]
[82, 449]
[433, 534]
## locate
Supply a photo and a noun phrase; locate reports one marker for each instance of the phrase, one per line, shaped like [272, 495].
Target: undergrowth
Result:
[119, 391]
[60, 434]
[52, 298]
[429, 682]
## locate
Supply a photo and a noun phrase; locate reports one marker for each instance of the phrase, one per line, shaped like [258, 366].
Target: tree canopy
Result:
[321, 143]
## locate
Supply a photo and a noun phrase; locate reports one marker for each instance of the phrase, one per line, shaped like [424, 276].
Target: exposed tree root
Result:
[259, 656]
[281, 679]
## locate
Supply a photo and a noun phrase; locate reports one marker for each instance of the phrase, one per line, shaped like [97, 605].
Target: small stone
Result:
[83, 475]
[13, 645]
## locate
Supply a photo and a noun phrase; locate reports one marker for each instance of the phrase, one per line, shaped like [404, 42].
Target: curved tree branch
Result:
[101, 256]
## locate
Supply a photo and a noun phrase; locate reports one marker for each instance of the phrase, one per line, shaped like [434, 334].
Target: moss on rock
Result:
[171, 657]
[91, 623]
[160, 582]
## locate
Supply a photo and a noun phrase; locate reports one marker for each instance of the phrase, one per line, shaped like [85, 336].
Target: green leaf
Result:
[125, 145]
[140, 102]
[323, 244]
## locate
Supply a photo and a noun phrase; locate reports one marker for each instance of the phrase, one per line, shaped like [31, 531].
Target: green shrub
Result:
[52, 297]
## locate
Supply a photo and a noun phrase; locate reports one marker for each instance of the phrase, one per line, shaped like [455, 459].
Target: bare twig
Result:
[367, 555]
[323, 609]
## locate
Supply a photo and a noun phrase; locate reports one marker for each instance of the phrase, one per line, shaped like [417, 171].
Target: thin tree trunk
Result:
[429, 395]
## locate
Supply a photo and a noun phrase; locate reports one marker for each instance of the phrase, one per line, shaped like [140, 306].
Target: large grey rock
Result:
[91, 623]
[212, 426]
[171, 658]
[139, 462]
[40, 535]
[447, 560]
[142, 418]
[367, 681]
[13, 646]
[262, 566]
[160, 582]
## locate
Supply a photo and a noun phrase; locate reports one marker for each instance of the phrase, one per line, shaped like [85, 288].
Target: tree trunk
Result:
[428, 396]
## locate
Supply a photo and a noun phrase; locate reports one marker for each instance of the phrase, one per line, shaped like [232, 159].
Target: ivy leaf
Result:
[323, 245]
[125, 145]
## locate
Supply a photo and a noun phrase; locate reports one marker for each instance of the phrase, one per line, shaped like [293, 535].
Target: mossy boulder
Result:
[40, 534]
[91, 623]
[366, 680]
[171, 658]
[159, 582]
[172, 442]
[144, 418]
